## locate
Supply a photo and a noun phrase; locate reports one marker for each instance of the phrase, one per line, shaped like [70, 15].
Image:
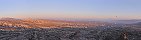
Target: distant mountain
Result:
[139, 23]
[127, 21]
[8, 18]
[131, 20]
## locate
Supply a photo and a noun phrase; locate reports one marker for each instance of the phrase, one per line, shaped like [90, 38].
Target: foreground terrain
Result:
[99, 33]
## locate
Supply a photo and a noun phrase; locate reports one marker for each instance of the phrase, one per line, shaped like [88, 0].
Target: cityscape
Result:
[70, 19]
[45, 29]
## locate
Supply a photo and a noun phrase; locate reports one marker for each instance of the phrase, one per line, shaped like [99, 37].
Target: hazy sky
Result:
[71, 8]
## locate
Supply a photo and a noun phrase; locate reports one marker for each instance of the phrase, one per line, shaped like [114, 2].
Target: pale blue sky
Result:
[71, 8]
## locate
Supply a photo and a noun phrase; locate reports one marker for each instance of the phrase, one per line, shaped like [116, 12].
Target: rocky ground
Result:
[98, 33]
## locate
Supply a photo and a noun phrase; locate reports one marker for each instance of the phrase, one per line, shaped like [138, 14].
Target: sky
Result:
[106, 9]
